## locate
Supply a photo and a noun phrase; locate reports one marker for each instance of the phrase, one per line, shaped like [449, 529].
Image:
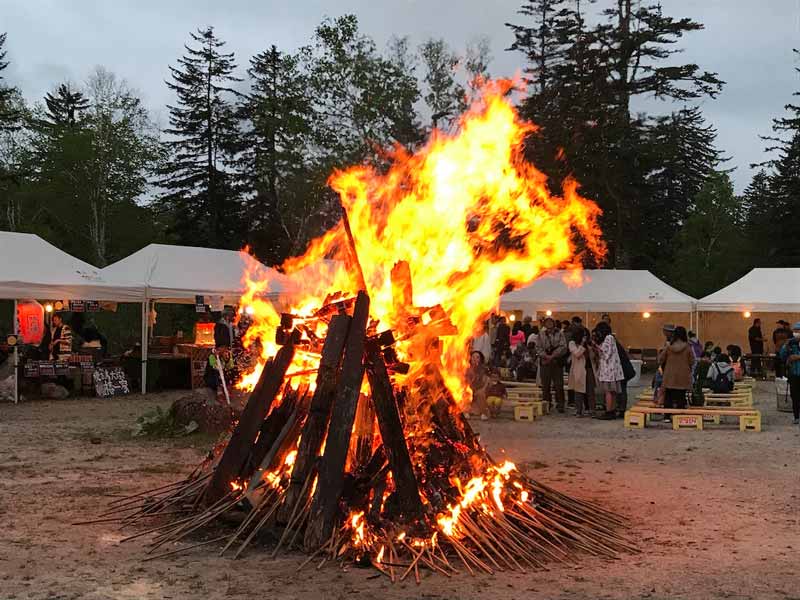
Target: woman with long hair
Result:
[676, 360]
[478, 379]
[609, 369]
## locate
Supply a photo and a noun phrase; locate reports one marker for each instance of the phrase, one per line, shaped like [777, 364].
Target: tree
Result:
[278, 117]
[201, 201]
[65, 106]
[445, 97]
[707, 252]
[8, 114]
[89, 169]
[584, 80]
[364, 101]
[476, 65]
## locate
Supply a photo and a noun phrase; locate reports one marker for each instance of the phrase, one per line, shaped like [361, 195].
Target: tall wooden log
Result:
[319, 413]
[331, 469]
[234, 458]
[394, 442]
[271, 427]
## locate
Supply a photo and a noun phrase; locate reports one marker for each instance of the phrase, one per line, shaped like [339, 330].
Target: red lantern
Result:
[30, 316]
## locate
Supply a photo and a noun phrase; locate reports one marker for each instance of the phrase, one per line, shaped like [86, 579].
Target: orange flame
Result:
[470, 216]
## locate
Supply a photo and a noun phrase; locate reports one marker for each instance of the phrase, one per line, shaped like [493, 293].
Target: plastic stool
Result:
[524, 412]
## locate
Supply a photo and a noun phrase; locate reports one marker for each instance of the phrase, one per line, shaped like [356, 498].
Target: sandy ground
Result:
[716, 513]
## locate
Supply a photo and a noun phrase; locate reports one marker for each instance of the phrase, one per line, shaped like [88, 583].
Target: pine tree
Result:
[65, 106]
[759, 207]
[201, 199]
[278, 115]
[8, 115]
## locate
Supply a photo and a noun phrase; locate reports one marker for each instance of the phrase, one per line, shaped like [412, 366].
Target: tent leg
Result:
[16, 356]
[145, 340]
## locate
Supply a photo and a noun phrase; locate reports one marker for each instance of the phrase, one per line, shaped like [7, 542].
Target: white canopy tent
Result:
[761, 290]
[34, 268]
[178, 274]
[601, 290]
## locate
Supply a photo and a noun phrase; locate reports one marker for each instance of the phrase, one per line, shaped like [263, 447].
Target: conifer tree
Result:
[201, 200]
[65, 106]
[278, 116]
[8, 114]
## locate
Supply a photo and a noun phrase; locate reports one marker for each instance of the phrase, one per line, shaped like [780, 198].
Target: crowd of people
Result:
[594, 362]
[598, 368]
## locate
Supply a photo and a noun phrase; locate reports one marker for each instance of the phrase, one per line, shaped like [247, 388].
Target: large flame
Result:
[469, 215]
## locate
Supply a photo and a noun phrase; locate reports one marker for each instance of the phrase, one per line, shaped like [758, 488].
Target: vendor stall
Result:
[193, 275]
[40, 270]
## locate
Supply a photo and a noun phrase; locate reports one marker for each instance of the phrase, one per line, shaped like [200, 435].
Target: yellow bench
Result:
[638, 416]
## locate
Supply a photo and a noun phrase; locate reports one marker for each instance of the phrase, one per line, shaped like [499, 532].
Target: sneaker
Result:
[796, 422]
[484, 417]
[667, 419]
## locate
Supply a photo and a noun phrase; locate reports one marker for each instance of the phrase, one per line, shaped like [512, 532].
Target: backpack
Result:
[628, 370]
[721, 384]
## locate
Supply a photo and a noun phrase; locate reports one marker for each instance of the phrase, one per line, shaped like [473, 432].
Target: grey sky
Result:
[748, 42]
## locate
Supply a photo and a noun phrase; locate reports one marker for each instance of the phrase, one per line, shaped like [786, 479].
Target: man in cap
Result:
[551, 348]
[790, 355]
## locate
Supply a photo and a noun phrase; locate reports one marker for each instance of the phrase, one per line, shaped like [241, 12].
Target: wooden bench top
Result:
[708, 410]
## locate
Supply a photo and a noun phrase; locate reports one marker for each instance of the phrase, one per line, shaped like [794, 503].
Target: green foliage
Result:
[707, 252]
[201, 203]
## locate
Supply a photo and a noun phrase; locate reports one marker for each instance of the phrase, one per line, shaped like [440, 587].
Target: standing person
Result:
[517, 337]
[677, 360]
[756, 339]
[790, 355]
[609, 369]
[223, 330]
[478, 380]
[527, 326]
[606, 318]
[581, 377]
[60, 338]
[779, 337]
[482, 343]
[694, 344]
[502, 341]
[551, 348]
[534, 336]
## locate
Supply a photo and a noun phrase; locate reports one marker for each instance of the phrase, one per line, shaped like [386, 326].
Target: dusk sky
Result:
[748, 43]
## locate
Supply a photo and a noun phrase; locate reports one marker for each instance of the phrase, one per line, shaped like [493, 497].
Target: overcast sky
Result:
[748, 42]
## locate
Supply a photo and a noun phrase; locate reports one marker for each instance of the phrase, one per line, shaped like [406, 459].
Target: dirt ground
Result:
[716, 513]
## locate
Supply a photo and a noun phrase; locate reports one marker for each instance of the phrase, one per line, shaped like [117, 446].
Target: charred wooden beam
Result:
[234, 458]
[319, 413]
[330, 481]
[392, 435]
[271, 427]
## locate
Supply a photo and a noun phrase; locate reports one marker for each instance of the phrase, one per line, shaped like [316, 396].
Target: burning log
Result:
[392, 436]
[324, 507]
[319, 413]
[234, 458]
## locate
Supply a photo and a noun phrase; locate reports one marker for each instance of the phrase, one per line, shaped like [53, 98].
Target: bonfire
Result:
[352, 445]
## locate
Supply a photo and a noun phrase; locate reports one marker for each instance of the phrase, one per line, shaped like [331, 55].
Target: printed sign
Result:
[77, 306]
[110, 382]
[199, 304]
[92, 306]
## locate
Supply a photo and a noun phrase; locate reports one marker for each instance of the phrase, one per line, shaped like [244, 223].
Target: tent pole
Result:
[145, 340]
[16, 355]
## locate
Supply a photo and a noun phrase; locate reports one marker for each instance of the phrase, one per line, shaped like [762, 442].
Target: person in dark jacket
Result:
[502, 342]
[790, 355]
[223, 330]
[779, 337]
[756, 339]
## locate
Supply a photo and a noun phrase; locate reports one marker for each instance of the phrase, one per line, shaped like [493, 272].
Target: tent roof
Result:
[33, 268]
[765, 290]
[179, 273]
[602, 290]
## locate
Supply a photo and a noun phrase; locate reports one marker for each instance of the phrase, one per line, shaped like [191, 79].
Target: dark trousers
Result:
[553, 376]
[794, 390]
[779, 368]
[674, 398]
[622, 398]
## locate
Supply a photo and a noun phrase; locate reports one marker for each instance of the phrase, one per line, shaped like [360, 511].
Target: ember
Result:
[352, 444]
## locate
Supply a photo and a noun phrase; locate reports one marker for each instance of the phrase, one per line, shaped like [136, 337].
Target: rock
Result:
[200, 412]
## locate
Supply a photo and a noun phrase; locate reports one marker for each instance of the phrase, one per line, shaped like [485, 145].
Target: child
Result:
[495, 393]
[211, 375]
